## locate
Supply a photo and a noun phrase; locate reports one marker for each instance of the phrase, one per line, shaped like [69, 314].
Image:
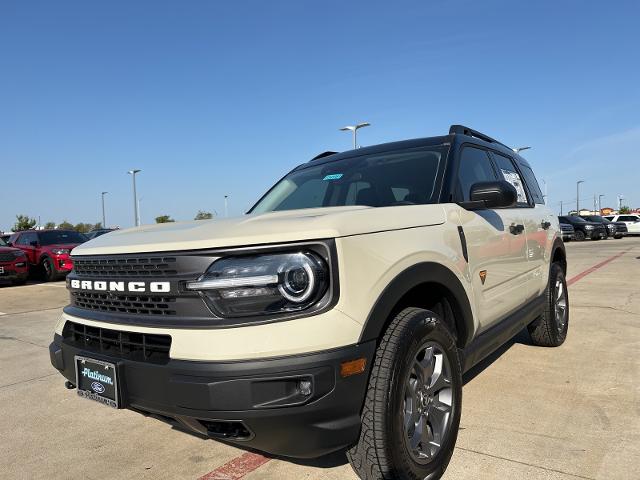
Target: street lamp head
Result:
[133, 172]
[580, 181]
[352, 128]
[348, 128]
[104, 193]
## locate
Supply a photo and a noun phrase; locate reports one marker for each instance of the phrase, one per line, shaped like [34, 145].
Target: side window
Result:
[22, 240]
[475, 166]
[354, 189]
[534, 187]
[511, 175]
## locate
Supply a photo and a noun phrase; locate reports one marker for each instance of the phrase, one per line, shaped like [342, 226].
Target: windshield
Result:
[405, 177]
[597, 218]
[3, 243]
[55, 237]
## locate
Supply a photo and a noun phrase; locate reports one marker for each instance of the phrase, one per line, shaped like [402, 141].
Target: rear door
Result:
[631, 221]
[496, 247]
[24, 243]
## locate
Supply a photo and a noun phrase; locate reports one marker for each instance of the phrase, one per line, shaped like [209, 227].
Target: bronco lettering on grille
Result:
[118, 286]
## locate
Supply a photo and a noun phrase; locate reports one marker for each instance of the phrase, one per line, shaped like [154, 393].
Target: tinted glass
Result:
[375, 180]
[532, 183]
[627, 218]
[55, 237]
[510, 174]
[475, 166]
[2, 243]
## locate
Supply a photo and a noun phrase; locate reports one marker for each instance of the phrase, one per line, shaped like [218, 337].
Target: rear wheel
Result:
[412, 409]
[550, 329]
[579, 235]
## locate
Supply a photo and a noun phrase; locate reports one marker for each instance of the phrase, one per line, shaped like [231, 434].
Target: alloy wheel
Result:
[428, 403]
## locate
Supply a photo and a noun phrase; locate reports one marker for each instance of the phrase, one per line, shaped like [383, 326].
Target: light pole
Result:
[226, 206]
[519, 149]
[600, 204]
[578, 196]
[104, 221]
[354, 129]
[136, 219]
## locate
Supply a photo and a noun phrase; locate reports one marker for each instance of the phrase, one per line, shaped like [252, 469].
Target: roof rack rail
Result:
[322, 155]
[462, 130]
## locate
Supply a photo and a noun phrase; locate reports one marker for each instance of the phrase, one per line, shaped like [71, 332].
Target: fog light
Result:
[304, 387]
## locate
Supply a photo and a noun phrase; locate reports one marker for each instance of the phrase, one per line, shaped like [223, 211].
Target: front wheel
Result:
[48, 270]
[411, 414]
[550, 329]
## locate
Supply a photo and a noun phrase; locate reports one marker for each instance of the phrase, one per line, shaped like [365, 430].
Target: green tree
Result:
[202, 215]
[50, 225]
[624, 209]
[65, 225]
[97, 226]
[83, 227]
[164, 219]
[23, 222]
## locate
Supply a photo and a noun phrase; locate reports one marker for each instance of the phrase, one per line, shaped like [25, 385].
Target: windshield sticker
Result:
[333, 176]
[514, 179]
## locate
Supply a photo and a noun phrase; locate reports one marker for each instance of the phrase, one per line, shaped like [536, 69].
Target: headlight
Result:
[588, 227]
[263, 284]
[60, 251]
[19, 253]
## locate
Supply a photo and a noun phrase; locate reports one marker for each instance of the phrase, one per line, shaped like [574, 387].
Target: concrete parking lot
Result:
[528, 412]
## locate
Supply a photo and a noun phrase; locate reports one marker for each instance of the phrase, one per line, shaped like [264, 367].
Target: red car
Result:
[48, 250]
[13, 264]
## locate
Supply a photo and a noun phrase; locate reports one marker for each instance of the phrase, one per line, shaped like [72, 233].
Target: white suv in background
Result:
[630, 219]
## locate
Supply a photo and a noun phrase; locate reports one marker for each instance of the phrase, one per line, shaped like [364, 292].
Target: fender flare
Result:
[558, 244]
[426, 272]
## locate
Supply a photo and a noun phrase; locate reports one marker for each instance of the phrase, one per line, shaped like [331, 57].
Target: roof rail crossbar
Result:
[462, 130]
[322, 155]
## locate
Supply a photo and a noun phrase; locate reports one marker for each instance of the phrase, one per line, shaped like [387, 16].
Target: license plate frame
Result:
[95, 384]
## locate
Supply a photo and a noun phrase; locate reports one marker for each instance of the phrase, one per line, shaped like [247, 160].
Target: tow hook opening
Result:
[68, 385]
[230, 430]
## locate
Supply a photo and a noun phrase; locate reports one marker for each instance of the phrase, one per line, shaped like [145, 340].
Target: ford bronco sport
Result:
[341, 312]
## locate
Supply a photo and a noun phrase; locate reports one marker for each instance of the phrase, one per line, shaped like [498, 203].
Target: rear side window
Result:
[475, 166]
[627, 218]
[532, 183]
[511, 175]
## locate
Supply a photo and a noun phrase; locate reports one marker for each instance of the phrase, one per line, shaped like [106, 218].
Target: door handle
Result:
[545, 225]
[516, 229]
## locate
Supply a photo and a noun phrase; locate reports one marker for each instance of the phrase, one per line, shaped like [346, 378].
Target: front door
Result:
[496, 244]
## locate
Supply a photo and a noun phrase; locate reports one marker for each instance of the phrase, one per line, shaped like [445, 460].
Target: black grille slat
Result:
[125, 267]
[131, 304]
[130, 345]
[7, 257]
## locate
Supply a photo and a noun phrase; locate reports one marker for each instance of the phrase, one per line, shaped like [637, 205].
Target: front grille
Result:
[143, 347]
[131, 304]
[7, 257]
[125, 267]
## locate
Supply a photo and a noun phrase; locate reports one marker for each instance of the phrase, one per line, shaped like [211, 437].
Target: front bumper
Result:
[253, 403]
[14, 270]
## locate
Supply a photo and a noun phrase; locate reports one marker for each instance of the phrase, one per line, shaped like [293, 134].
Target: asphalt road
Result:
[528, 412]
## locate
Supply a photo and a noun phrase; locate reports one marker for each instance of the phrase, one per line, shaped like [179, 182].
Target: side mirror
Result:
[496, 194]
[33, 243]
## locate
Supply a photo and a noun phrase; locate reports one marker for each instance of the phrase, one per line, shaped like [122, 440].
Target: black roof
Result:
[458, 133]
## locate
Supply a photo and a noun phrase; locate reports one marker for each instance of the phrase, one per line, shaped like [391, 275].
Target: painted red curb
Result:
[248, 462]
[581, 275]
[237, 468]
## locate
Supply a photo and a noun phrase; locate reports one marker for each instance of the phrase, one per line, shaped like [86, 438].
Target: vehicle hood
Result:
[68, 246]
[265, 228]
[8, 249]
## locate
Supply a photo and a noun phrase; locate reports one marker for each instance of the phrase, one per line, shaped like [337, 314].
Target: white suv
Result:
[631, 220]
[341, 312]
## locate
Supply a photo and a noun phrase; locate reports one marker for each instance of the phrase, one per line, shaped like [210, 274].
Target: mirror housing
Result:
[494, 194]
[33, 243]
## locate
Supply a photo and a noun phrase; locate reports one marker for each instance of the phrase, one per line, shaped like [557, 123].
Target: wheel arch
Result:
[423, 285]
[559, 254]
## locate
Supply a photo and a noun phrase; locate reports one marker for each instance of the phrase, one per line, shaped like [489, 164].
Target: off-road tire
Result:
[579, 236]
[381, 452]
[546, 330]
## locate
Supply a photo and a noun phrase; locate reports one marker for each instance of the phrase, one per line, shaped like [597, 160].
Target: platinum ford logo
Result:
[97, 387]
[117, 286]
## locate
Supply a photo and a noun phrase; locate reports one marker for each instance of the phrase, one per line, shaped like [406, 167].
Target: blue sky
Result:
[211, 98]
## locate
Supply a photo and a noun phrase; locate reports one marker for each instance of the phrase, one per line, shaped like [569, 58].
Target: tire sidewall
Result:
[425, 326]
[555, 274]
[580, 236]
